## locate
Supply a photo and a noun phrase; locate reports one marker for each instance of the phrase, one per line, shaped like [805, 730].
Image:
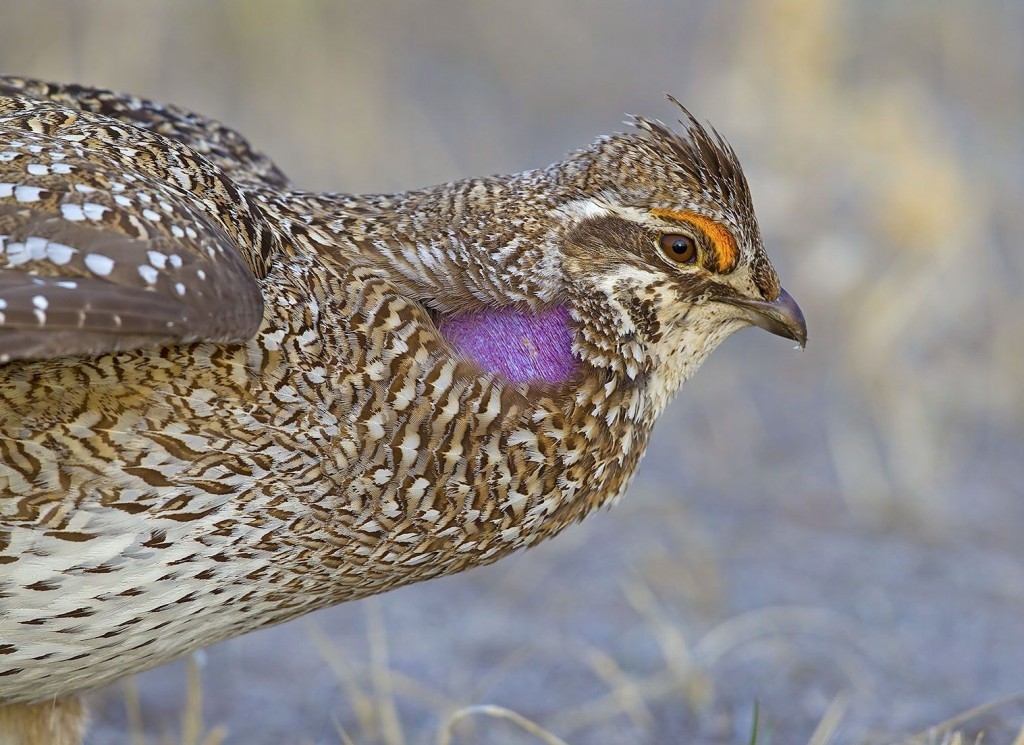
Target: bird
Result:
[226, 402]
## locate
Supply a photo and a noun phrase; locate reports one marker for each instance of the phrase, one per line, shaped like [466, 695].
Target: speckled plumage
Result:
[227, 402]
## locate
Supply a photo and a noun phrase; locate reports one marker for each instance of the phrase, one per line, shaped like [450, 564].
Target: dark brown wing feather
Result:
[114, 238]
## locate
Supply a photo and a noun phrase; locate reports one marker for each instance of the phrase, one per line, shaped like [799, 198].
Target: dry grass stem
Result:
[496, 712]
[829, 724]
[657, 687]
[362, 704]
[133, 711]
[746, 627]
[623, 688]
[946, 728]
[343, 735]
[674, 647]
[381, 677]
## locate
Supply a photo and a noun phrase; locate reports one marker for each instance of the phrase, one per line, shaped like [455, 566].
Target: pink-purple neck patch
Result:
[521, 346]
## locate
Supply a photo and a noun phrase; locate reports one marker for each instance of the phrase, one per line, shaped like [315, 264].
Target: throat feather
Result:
[522, 346]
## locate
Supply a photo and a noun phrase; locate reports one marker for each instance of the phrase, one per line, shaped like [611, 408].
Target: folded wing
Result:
[113, 238]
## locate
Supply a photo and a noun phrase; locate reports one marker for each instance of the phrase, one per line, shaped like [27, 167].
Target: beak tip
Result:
[792, 318]
[781, 316]
[799, 333]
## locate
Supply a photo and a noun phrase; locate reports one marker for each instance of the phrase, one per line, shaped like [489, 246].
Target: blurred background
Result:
[833, 535]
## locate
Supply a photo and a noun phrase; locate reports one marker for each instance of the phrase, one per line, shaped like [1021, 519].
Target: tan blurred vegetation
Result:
[865, 495]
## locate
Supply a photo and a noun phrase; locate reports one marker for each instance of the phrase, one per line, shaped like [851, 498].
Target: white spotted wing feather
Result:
[98, 254]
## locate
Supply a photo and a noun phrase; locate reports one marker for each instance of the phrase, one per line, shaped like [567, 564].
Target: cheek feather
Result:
[727, 253]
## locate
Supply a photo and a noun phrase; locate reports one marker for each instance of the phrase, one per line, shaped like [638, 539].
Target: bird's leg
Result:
[58, 722]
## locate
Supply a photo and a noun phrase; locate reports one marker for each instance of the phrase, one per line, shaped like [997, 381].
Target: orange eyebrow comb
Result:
[727, 254]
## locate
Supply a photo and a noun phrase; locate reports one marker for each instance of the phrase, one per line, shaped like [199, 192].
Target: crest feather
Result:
[702, 153]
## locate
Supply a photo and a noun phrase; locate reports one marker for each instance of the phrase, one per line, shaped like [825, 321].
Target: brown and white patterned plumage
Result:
[226, 402]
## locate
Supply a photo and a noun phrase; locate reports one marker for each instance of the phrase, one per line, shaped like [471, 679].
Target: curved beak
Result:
[781, 316]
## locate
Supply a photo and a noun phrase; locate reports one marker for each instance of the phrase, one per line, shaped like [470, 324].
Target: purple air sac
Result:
[520, 346]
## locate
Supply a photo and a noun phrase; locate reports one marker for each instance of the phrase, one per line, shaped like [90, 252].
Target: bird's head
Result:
[636, 256]
[662, 256]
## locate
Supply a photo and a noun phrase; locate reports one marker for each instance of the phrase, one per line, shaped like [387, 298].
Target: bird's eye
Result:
[679, 248]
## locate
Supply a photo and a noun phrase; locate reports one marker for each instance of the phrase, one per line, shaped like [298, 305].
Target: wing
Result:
[114, 238]
[222, 146]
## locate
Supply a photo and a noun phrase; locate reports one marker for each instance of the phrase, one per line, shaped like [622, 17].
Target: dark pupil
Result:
[681, 245]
